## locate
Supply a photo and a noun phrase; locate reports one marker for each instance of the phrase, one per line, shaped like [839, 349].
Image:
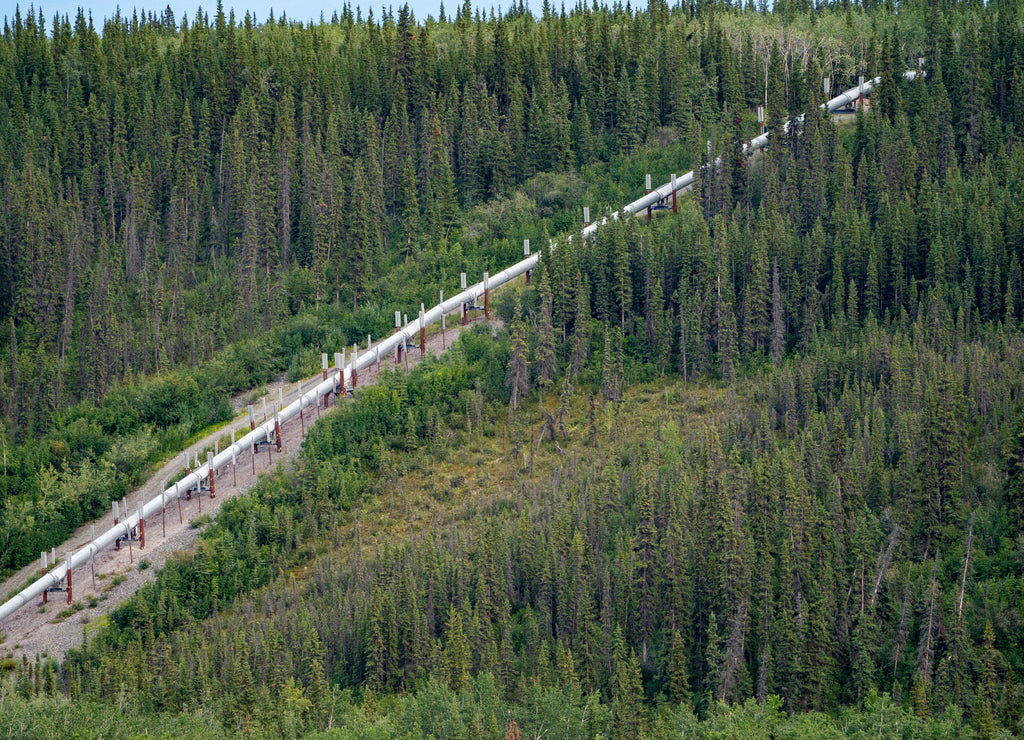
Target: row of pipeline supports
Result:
[342, 380]
[132, 530]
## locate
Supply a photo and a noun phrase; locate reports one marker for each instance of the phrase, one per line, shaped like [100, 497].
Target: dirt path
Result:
[55, 628]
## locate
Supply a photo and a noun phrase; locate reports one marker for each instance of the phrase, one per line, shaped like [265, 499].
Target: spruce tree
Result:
[518, 376]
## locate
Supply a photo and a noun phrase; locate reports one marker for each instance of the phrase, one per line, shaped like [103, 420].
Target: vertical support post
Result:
[826, 83]
[252, 456]
[368, 345]
[673, 192]
[327, 394]
[92, 554]
[184, 465]
[344, 388]
[213, 487]
[128, 534]
[163, 509]
[68, 558]
[277, 429]
[647, 184]
[423, 333]
[860, 88]
[177, 495]
[441, 303]
[339, 365]
[760, 120]
[142, 529]
[302, 412]
[264, 408]
[117, 542]
[252, 418]
[526, 253]
[398, 347]
[43, 557]
[234, 469]
[462, 281]
[355, 355]
[487, 296]
[586, 216]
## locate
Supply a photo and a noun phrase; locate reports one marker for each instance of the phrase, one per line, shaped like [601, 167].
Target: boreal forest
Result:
[751, 469]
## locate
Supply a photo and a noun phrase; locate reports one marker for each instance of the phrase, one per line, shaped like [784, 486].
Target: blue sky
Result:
[303, 10]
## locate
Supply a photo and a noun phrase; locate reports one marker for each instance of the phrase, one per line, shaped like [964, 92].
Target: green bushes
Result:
[63, 500]
[45, 717]
[130, 455]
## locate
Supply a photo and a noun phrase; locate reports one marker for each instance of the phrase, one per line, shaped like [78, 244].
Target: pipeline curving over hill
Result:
[342, 377]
